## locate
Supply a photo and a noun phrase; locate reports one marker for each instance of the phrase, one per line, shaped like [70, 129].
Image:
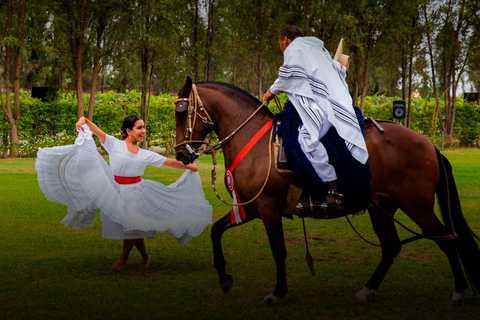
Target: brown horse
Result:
[424, 172]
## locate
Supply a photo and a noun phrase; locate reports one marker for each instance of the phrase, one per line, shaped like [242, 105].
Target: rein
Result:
[193, 112]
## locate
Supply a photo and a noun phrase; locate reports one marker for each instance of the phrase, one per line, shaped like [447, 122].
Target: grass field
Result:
[52, 272]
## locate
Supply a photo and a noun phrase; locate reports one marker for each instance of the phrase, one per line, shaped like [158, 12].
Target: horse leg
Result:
[431, 226]
[274, 226]
[450, 250]
[386, 232]
[222, 225]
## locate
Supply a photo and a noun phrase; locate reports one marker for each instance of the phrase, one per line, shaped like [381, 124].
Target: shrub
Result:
[46, 124]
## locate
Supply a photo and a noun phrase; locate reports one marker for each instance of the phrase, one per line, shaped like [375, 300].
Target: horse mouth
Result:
[185, 157]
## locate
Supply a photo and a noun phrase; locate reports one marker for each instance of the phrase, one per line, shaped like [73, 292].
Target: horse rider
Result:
[315, 84]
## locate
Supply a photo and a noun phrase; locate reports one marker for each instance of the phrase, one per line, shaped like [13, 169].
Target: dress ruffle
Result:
[78, 177]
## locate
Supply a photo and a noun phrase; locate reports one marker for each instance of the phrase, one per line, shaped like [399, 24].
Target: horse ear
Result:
[187, 87]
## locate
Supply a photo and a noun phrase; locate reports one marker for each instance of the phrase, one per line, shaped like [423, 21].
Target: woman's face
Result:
[137, 133]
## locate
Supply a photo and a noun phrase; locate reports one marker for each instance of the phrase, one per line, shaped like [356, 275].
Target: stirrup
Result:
[338, 204]
[305, 202]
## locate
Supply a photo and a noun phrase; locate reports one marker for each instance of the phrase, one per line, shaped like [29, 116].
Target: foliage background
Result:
[46, 124]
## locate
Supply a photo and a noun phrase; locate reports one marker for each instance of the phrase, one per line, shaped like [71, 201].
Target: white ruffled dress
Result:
[78, 177]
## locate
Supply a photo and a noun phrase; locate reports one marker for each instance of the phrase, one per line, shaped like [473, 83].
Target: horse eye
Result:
[181, 106]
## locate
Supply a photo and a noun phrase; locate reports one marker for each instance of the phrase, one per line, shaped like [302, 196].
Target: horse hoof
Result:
[454, 303]
[455, 300]
[362, 296]
[227, 284]
[269, 301]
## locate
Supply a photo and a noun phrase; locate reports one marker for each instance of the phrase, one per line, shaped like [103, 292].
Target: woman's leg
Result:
[140, 245]
[127, 247]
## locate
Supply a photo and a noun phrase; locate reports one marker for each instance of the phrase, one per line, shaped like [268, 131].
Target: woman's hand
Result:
[80, 123]
[193, 166]
[93, 127]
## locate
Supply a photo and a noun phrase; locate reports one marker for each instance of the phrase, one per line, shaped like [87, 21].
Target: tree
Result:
[110, 25]
[14, 41]
[456, 35]
[211, 25]
[72, 22]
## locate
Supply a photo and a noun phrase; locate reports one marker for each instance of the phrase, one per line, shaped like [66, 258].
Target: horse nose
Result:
[182, 155]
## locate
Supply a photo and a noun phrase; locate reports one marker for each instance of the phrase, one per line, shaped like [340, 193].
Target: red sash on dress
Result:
[127, 180]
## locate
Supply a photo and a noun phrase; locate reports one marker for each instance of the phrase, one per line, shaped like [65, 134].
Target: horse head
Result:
[192, 123]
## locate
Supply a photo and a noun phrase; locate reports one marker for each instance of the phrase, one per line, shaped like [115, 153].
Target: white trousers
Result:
[318, 157]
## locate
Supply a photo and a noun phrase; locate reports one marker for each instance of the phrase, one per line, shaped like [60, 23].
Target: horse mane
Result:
[242, 92]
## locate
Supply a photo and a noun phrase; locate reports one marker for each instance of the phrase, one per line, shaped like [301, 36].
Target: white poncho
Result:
[316, 86]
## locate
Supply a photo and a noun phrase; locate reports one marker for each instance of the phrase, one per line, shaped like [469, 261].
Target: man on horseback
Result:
[315, 85]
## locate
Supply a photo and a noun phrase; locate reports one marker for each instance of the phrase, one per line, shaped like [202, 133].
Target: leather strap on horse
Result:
[435, 238]
[265, 128]
[197, 104]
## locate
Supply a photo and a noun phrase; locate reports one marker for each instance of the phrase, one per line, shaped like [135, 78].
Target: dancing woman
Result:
[131, 208]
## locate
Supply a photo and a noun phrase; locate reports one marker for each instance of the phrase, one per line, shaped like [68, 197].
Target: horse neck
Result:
[228, 112]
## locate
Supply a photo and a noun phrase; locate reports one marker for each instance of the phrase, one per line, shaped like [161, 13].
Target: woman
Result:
[131, 208]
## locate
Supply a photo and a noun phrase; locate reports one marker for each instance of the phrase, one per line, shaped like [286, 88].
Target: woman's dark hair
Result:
[128, 123]
[291, 32]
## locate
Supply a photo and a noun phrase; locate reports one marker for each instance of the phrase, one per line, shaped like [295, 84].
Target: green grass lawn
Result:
[50, 271]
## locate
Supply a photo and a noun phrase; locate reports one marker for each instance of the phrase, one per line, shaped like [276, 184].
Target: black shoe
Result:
[333, 198]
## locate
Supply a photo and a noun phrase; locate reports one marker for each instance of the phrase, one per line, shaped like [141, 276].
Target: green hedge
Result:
[45, 124]
[424, 118]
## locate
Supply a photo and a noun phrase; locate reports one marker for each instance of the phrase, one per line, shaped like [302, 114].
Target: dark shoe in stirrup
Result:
[334, 199]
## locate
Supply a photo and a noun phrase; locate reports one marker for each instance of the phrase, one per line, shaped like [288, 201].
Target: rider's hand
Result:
[268, 95]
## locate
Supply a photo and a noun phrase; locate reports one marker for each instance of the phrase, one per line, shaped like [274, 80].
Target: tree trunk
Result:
[76, 42]
[93, 90]
[7, 109]
[79, 75]
[145, 59]
[96, 63]
[260, 27]
[432, 67]
[356, 76]
[365, 79]
[404, 74]
[144, 112]
[210, 36]
[195, 40]
[410, 70]
[13, 116]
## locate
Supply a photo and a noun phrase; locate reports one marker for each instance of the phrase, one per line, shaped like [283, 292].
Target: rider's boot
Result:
[334, 200]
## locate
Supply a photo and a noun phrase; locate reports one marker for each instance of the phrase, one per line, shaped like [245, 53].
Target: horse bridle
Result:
[193, 112]
[193, 104]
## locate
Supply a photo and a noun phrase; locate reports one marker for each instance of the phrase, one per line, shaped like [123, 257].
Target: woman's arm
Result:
[93, 127]
[172, 163]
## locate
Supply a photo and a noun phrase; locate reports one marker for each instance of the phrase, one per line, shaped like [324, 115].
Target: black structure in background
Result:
[43, 93]
[471, 96]
[399, 109]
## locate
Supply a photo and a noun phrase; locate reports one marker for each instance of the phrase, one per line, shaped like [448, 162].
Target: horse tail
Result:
[453, 218]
